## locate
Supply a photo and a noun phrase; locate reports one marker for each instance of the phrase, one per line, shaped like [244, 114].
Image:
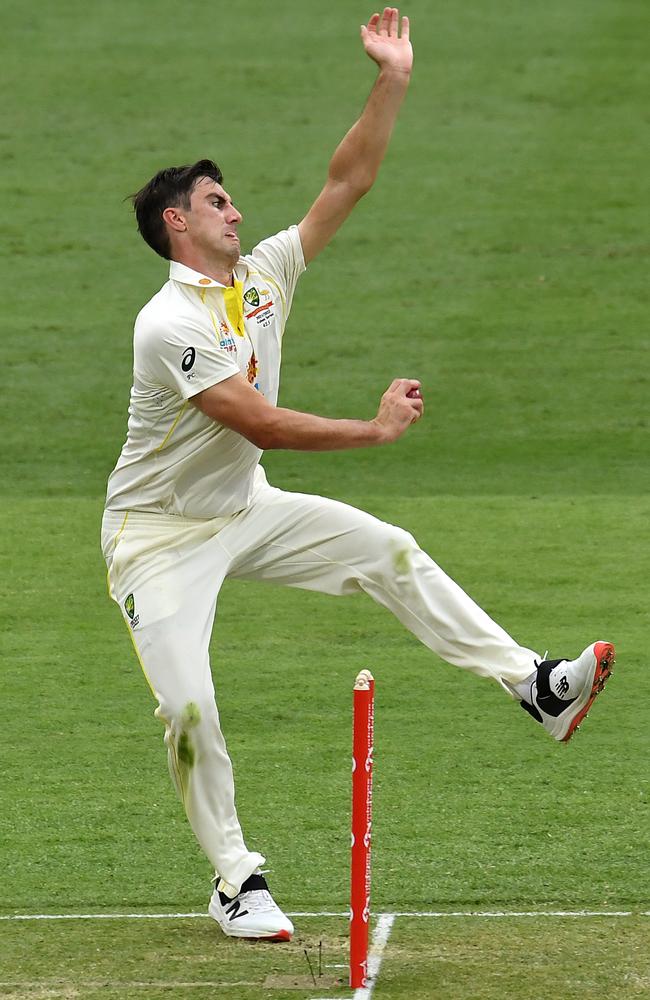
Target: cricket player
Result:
[188, 502]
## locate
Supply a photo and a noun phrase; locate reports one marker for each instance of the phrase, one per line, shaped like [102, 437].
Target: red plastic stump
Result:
[362, 748]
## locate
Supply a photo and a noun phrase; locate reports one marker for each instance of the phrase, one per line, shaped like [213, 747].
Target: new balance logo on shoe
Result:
[562, 686]
[234, 909]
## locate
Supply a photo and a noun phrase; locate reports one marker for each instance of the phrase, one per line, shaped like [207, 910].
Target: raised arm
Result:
[356, 161]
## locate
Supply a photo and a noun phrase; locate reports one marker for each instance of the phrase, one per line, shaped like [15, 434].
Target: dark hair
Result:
[172, 186]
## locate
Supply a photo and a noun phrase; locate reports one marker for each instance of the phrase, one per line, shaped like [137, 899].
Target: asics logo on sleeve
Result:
[189, 357]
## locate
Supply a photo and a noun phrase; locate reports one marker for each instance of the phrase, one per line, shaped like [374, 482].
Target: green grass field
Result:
[502, 258]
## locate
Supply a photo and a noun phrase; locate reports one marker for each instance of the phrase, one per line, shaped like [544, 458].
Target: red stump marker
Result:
[362, 747]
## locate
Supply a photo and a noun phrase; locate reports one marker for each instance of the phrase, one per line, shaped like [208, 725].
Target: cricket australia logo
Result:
[129, 607]
[252, 296]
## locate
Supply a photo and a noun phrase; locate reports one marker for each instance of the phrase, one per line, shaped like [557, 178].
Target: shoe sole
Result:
[279, 936]
[605, 657]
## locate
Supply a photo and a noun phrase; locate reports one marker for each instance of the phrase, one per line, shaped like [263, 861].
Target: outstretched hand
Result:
[383, 43]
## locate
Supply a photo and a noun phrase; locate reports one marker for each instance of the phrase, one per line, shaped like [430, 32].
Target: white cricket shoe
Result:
[252, 913]
[562, 691]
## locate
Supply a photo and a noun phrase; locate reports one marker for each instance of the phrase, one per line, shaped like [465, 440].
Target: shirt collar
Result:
[180, 272]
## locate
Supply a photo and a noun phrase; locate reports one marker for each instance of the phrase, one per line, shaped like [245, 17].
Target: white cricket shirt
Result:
[193, 334]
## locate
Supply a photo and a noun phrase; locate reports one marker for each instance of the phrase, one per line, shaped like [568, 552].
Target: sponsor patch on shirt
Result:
[263, 314]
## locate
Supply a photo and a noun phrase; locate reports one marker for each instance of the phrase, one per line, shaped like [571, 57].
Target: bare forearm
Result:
[235, 404]
[358, 156]
[296, 431]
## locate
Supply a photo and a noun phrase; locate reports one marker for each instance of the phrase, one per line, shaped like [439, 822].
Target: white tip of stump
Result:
[363, 681]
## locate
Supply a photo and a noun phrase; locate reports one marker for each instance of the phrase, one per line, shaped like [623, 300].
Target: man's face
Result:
[212, 222]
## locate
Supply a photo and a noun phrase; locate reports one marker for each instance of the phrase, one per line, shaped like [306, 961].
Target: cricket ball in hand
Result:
[414, 394]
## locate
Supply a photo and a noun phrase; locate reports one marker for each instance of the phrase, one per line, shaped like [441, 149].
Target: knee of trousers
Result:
[392, 552]
[193, 719]
[194, 737]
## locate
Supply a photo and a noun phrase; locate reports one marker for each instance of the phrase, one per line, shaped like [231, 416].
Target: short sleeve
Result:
[280, 257]
[185, 358]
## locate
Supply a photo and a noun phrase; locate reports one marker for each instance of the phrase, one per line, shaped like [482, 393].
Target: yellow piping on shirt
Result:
[172, 428]
[214, 321]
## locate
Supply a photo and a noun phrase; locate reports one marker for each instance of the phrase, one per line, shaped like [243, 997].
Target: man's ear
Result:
[174, 218]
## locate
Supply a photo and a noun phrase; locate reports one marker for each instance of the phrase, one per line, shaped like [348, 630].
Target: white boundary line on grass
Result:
[432, 914]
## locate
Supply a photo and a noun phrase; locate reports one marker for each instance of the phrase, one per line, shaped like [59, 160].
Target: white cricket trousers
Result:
[165, 572]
